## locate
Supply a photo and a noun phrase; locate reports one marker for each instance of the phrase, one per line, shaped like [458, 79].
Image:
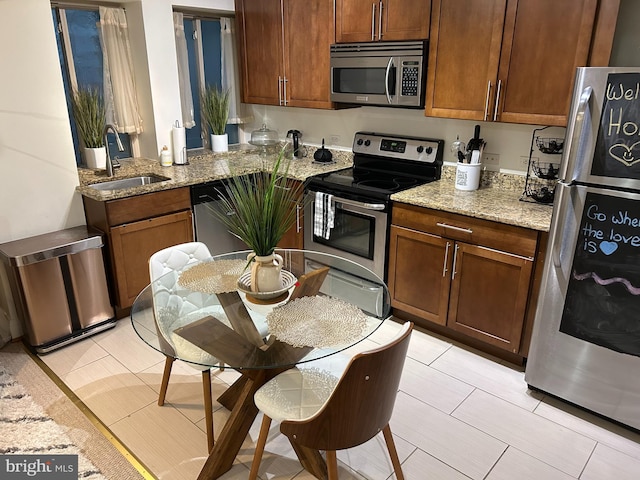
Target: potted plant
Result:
[214, 104]
[89, 113]
[262, 208]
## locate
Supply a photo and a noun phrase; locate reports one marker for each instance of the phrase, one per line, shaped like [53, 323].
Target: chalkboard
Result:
[602, 305]
[617, 152]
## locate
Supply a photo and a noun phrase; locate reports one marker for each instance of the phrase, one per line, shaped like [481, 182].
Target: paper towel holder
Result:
[179, 154]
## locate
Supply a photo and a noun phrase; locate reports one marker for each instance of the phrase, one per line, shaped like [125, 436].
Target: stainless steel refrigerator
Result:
[586, 338]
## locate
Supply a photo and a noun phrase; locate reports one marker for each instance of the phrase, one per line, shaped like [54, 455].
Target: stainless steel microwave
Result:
[389, 74]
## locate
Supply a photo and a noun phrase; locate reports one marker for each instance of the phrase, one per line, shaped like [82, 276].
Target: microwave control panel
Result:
[410, 75]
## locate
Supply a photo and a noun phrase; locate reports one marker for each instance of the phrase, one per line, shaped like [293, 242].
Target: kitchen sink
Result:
[131, 182]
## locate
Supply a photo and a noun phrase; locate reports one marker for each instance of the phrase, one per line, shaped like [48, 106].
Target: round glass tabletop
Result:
[205, 316]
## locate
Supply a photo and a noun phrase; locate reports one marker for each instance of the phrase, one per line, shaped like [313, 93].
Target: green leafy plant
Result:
[214, 103]
[89, 113]
[260, 208]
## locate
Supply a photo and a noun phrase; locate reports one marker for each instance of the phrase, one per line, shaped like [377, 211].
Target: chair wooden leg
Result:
[168, 363]
[332, 464]
[262, 441]
[393, 453]
[208, 407]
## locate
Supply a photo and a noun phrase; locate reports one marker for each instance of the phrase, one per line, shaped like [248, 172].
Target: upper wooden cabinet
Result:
[367, 20]
[284, 51]
[513, 60]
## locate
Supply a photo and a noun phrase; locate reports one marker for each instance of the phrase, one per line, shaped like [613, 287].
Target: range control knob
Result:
[420, 148]
[429, 150]
[359, 142]
[367, 143]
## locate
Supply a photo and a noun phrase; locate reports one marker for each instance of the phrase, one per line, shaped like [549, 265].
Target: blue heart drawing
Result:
[608, 247]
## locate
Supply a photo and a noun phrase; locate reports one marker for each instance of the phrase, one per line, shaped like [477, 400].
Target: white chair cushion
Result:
[296, 394]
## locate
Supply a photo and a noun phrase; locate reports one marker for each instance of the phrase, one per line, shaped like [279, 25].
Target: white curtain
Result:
[119, 84]
[229, 70]
[186, 98]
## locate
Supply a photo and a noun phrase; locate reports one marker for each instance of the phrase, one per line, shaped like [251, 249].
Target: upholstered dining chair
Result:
[322, 412]
[177, 258]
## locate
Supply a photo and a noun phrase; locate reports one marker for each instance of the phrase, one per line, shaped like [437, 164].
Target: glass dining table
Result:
[208, 315]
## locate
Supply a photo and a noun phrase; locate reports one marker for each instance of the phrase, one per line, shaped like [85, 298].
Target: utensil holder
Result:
[468, 176]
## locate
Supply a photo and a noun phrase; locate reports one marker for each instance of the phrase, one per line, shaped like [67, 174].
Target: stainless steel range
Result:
[347, 212]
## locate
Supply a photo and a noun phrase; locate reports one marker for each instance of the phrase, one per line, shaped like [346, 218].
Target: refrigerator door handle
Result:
[558, 220]
[578, 127]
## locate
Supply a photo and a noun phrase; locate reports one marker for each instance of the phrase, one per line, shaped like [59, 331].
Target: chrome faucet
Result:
[111, 164]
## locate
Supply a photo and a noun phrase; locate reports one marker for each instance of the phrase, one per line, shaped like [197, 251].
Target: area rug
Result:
[36, 417]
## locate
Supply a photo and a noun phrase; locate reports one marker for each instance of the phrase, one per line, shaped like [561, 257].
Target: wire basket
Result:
[545, 170]
[550, 146]
[541, 192]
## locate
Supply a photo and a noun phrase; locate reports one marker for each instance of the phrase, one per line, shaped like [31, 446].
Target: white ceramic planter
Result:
[220, 143]
[95, 157]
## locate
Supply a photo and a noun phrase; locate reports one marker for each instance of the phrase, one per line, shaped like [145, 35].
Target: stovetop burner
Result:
[385, 164]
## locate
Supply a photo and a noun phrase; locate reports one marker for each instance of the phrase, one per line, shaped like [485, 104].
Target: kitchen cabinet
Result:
[468, 275]
[513, 60]
[284, 51]
[389, 20]
[135, 228]
[294, 238]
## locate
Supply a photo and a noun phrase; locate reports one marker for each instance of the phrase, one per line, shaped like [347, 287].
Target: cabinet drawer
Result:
[131, 209]
[508, 238]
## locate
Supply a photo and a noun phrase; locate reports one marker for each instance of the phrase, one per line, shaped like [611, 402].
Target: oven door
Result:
[359, 232]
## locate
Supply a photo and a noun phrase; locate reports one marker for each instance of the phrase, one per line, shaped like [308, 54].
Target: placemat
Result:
[317, 321]
[220, 276]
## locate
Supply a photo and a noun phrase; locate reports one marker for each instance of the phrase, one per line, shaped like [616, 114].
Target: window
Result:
[81, 62]
[204, 52]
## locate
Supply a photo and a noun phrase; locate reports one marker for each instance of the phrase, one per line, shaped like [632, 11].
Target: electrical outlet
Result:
[524, 162]
[490, 159]
[334, 139]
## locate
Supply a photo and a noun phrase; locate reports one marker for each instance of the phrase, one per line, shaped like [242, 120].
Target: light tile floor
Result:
[459, 415]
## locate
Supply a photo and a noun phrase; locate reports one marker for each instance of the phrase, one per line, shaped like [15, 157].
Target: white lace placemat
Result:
[317, 321]
[220, 276]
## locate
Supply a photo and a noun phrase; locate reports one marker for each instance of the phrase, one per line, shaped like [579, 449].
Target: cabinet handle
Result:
[298, 223]
[380, 20]
[279, 90]
[284, 89]
[455, 260]
[459, 229]
[446, 257]
[373, 22]
[486, 101]
[495, 110]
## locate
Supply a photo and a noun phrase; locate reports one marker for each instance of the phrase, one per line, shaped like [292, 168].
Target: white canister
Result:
[165, 157]
[468, 176]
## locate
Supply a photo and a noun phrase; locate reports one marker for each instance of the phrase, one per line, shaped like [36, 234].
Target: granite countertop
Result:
[497, 199]
[204, 166]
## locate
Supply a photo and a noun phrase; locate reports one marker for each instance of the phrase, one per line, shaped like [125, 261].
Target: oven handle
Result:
[367, 206]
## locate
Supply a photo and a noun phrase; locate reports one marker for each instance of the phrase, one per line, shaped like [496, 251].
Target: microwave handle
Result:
[386, 80]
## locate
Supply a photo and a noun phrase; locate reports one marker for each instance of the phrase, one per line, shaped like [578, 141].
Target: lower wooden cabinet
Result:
[452, 275]
[294, 238]
[133, 244]
[137, 227]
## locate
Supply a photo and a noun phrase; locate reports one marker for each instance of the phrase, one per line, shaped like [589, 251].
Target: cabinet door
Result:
[419, 273]
[294, 238]
[261, 52]
[132, 244]
[544, 41]
[489, 294]
[405, 19]
[309, 31]
[356, 20]
[464, 54]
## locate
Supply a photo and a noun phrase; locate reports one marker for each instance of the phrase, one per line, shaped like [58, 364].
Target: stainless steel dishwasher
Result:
[208, 228]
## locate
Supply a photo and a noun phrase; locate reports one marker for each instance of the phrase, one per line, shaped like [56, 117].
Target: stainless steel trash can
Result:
[59, 286]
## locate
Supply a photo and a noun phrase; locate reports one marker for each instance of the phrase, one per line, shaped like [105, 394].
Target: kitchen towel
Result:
[179, 138]
[324, 215]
